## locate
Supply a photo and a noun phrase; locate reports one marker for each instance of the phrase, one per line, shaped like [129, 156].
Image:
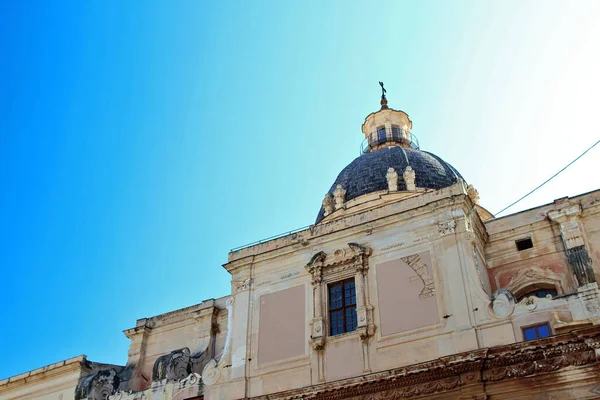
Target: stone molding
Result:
[527, 277]
[343, 263]
[472, 370]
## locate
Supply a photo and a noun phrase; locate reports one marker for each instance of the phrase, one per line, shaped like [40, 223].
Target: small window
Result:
[536, 332]
[524, 244]
[342, 307]
[396, 133]
[381, 136]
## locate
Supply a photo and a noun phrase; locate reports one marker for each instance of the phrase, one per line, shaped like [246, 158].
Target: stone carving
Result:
[503, 304]
[318, 344]
[242, 285]
[192, 379]
[421, 269]
[342, 264]
[533, 275]
[446, 228]
[211, 373]
[98, 386]
[173, 366]
[466, 370]
[212, 370]
[328, 204]
[339, 194]
[409, 178]
[392, 179]
[473, 194]
[530, 302]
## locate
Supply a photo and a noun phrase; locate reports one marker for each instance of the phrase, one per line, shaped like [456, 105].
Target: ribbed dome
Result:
[367, 173]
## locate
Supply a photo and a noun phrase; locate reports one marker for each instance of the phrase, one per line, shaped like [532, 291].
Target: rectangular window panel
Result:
[536, 332]
[543, 331]
[342, 307]
[381, 137]
[396, 133]
[529, 334]
[351, 320]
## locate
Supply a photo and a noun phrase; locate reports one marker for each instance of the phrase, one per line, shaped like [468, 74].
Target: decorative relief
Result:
[421, 269]
[503, 304]
[446, 228]
[424, 237]
[289, 275]
[532, 275]
[467, 370]
[173, 366]
[240, 286]
[211, 373]
[473, 194]
[98, 386]
[392, 246]
[529, 302]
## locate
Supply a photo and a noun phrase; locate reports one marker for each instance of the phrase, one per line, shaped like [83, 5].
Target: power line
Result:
[549, 179]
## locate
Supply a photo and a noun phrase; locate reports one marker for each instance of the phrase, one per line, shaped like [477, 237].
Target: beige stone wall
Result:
[53, 382]
[425, 291]
[281, 328]
[192, 327]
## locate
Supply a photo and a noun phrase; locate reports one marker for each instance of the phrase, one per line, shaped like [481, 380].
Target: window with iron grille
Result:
[396, 133]
[342, 306]
[381, 136]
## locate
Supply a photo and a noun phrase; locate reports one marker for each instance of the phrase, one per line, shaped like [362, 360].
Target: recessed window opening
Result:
[381, 136]
[396, 133]
[524, 244]
[342, 306]
[536, 331]
[540, 293]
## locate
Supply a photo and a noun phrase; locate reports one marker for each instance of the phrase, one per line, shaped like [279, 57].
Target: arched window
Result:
[539, 290]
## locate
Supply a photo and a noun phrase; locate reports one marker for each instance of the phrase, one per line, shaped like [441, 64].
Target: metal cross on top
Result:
[383, 101]
[383, 91]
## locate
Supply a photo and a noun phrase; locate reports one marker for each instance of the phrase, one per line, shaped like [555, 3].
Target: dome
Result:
[367, 173]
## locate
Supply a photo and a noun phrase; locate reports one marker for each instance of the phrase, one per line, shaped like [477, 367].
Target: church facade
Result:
[404, 288]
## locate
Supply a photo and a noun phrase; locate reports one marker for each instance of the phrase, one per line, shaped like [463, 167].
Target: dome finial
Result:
[383, 101]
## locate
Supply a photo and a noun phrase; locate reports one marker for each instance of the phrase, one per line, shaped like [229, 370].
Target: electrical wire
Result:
[549, 179]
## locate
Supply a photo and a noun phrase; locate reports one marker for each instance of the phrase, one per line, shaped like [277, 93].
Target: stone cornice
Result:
[389, 213]
[517, 360]
[62, 367]
[174, 318]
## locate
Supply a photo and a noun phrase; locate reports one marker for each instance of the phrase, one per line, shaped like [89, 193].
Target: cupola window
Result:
[381, 136]
[396, 133]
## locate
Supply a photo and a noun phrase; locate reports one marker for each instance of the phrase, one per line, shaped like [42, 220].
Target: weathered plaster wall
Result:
[403, 303]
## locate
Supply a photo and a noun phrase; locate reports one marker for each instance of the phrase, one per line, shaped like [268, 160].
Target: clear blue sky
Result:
[140, 141]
